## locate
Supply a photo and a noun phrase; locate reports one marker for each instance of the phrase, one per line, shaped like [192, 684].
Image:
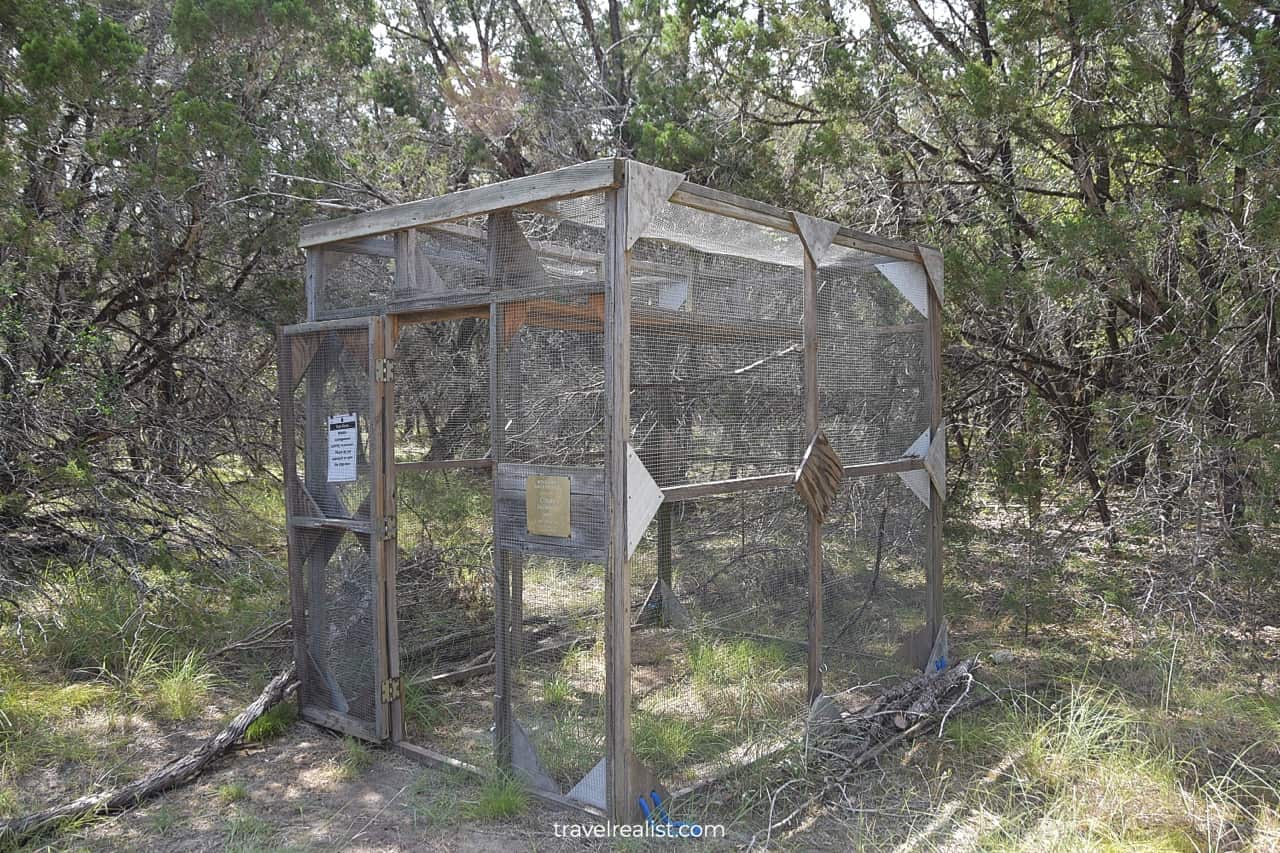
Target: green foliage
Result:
[182, 686]
[732, 661]
[501, 797]
[273, 723]
[232, 792]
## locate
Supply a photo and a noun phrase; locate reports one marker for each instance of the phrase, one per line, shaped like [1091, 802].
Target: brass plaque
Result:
[546, 506]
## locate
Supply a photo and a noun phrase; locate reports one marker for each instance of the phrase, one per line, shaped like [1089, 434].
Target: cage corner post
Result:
[407, 279]
[931, 259]
[380, 523]
[617, 351]
[812, 422]
[289, 469]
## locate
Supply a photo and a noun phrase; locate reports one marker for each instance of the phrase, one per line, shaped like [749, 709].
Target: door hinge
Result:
[388, 528]
[392, 690]
[384, 370]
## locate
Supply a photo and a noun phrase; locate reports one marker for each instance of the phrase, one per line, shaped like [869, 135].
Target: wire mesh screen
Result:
[330, 521]
[444, 588]
[442, 391]
[551, 524]
[444, 537]
[716, 348]
[874, 551]
[873, 365]
[354, 282]
[718, 670]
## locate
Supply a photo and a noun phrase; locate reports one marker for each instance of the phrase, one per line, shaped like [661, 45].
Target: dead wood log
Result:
[172, 775]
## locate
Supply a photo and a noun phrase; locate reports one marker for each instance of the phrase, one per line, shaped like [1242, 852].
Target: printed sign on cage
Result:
[342, 448]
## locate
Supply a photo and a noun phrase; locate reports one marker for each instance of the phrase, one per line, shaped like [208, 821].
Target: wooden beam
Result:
[760, 213]
[569, 182]
[937, 509]
[390, 553]
[377, 246]
[617, 579]
[485, 464]
[289, 468]
[378, 517]
[718, 488]
[314, 281]
[812, 423]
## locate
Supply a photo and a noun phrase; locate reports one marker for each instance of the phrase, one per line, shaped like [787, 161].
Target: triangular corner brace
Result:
[590, 789]
[824, 716]
[525, 761]
[935, 460]
[643, 499]
[918, 480]
[932, 260]
[648, 188]
[514, 261]
[816, 234]
[910, 280]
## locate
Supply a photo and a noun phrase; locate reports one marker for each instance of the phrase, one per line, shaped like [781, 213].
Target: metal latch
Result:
[383, 370]
[391, 688]
[388, 528]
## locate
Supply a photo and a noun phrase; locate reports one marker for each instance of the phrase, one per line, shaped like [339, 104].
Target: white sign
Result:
[342, 448]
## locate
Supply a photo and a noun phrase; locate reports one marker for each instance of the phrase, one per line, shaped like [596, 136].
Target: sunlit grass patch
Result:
[182, 687]
[664, 743]
[500, 797]
[232, 792]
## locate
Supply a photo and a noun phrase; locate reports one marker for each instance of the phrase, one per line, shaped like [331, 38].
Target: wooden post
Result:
[314, 280]
[289, 467]
[378, 517]
[937, 511]
[617, 578]
[501, 586]
[812, 424]
[406, 278]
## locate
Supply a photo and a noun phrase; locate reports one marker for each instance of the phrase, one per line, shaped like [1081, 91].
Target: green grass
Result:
[569, 746]
[500, 797]
[245, 833]
[272, 724]
[556, 692]
[665, 743]
[422, 711]
[356, 758]
[181, 688]
[232, 792]
[716, 663]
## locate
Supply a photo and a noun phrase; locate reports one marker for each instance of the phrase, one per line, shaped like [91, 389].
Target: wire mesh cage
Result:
[656, 468]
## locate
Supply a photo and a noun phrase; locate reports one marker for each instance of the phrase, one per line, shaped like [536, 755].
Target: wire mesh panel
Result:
[550, 518]
[354, 282]
[873, 364]
[332, 477]
[874, 549]
[716, 348]
[718, 669]
[444, 536]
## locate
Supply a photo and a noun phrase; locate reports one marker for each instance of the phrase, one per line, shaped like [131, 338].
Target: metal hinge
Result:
[391, 690]
[388, 528]
[384, 370]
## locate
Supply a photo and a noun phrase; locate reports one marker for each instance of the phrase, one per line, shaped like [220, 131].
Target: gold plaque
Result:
[546, 506]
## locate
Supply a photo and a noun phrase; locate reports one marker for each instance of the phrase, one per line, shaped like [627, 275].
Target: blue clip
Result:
[652, 814]
[940, 664]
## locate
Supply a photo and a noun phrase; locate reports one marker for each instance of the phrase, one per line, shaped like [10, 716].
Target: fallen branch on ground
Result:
[177, 772]
[883, 724]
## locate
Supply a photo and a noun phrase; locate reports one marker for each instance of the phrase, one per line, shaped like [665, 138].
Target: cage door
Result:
[332, 393]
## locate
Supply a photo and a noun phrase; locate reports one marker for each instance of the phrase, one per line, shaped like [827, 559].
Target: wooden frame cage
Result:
[580, 466]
